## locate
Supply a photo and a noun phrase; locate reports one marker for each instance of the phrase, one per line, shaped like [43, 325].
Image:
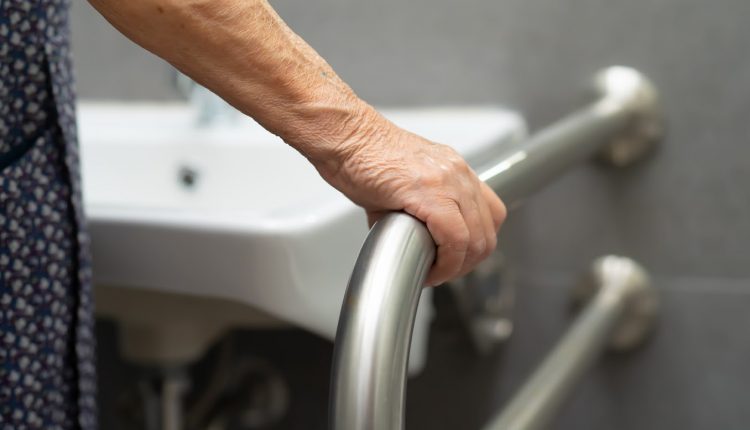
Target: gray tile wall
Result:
[684, 213]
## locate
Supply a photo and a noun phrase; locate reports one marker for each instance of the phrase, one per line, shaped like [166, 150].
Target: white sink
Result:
[229, 212]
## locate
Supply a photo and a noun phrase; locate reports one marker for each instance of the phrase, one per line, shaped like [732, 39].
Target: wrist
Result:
[329, 134]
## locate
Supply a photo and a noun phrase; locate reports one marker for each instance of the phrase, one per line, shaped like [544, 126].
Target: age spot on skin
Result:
[160, 9]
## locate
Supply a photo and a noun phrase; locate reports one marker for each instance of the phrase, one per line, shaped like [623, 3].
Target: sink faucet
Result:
[210, 109]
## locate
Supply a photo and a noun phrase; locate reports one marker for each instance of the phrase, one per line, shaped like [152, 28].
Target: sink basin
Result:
[227, 215]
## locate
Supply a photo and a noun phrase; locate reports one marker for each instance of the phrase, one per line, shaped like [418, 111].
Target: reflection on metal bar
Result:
[374, 332]
[621, 312]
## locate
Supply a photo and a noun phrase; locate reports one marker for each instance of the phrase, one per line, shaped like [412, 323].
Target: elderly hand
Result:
[384, 168]
[289, 89]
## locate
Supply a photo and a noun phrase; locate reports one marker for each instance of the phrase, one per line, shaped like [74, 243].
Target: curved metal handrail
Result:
[377, 316]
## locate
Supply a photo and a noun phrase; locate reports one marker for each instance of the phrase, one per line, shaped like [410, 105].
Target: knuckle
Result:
[459, 238]
[460, 165]
[503, 212]
[452, 157]
[478, 247]
[500, 215]
[452, 272]
[432, 178]
[491, 245]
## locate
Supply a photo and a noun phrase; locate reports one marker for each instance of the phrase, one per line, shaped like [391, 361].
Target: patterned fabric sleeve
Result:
[47, 374]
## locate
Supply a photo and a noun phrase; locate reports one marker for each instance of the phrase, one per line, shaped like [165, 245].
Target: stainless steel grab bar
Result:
[377, 316]
[621, 310]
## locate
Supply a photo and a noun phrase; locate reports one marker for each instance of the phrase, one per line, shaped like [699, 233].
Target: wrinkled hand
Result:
[384, 168]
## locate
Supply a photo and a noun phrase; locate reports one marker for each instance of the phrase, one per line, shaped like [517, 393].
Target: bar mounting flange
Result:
[628, 280]
[625, 88]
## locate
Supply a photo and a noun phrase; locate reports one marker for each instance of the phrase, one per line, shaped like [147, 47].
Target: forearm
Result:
[245, 53]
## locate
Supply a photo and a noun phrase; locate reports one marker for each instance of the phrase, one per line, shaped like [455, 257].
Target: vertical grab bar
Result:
[374, 332]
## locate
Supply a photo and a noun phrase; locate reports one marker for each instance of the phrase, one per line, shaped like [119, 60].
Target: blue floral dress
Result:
[47, 374]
